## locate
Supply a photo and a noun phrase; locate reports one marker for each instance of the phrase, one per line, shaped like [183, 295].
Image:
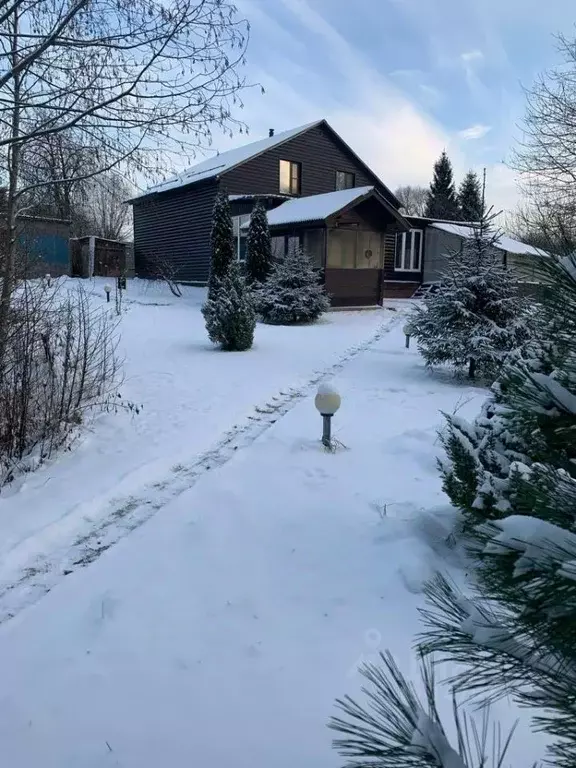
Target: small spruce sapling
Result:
[293, 292]
[229, 312]
[258, 247]
[477, 316]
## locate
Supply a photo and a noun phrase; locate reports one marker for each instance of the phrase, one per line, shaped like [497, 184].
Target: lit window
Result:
[290, 174]
[408, 257]
[345, 180]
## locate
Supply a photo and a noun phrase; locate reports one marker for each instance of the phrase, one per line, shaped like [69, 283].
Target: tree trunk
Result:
[8, 269]
[472, 368]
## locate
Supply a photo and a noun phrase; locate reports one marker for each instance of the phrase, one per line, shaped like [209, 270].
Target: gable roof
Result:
[314, 208]
[503, 242]
[223, 162]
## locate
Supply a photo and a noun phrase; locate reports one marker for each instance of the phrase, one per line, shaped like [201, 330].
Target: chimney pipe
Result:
[270, 132]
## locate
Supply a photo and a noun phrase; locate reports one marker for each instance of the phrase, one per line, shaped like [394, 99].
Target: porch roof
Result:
[318, 208]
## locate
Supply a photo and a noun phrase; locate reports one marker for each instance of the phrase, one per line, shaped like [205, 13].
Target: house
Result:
[318, 193]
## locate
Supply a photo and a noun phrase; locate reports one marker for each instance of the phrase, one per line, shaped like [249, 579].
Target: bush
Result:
[292, 293]
[60, 361]
[229, 312]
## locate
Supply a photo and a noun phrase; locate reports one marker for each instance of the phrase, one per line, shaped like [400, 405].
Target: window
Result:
[342, 248]
[240, 234]
[345, 180]
[314, 246]
[283, 244]
[408, 256]
[290, 177]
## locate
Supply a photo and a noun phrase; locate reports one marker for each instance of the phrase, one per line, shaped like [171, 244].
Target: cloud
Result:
[474, 132]
[469, 56]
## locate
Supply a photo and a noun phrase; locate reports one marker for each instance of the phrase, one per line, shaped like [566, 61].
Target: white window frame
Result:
[237, 222]
[409, 260]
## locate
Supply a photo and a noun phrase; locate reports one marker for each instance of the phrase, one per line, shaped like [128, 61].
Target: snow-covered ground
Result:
[195, 400]
[221, 630]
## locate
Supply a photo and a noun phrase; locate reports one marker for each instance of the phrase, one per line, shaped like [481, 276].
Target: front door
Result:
[354, 267]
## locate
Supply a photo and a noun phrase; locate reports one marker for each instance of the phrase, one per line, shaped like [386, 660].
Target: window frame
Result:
[404, 252]
[293, 188]
[237, 223]
[345, 174]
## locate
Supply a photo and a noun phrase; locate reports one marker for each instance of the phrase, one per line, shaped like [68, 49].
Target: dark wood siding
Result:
[321, 156]
[175, 226]
[353, 287]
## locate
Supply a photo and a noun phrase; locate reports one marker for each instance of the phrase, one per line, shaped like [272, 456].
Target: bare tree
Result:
[546, 157]
[102, 210]
[128, 81]
[413, 199]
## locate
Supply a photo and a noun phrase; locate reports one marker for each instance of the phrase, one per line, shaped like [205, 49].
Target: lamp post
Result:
[407, 333]
[107, 288]
[327, 402]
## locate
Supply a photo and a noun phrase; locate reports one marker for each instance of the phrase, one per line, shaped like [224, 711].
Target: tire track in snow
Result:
[126, 514]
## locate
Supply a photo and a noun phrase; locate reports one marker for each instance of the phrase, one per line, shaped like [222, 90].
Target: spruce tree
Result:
[476, 317]
[229, 312]
[223, 252]
[292, 293]
[442, 202]
[470, 198]
[513, 634]
[258, 246]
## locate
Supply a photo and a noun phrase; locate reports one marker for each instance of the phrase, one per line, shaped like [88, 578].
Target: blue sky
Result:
[402, 79]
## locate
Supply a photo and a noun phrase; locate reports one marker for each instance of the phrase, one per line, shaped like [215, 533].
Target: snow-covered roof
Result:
[315, 207]
[504, 242]
[234, 198]
[225, 161]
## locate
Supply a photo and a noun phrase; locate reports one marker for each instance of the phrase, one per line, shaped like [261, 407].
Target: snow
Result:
[561, 396]
[225, 161]
[192, 396]
[429, 737]
[504, 242]
[315, 207]
[268, 569]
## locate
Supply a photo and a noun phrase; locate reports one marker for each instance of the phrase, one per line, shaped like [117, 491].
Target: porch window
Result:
[408, 256]
[283, 244]
[342, 249]
[314, 246]
[290, 177]
[345, 180]
[240, 235]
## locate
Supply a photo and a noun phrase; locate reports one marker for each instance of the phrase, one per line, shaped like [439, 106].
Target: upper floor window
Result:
[345, 180]
[290, 177]
[408, 256]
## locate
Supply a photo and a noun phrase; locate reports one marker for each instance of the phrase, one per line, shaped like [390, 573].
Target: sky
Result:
[401, 80]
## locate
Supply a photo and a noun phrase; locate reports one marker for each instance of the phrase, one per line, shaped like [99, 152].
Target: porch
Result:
[349, 236]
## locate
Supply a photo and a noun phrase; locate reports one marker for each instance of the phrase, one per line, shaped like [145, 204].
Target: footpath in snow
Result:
[199, 405]
[220, 631]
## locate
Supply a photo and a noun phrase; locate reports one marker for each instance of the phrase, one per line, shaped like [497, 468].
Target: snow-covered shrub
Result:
[477, 317]
[60, 362]
[258, 247]
[292, 293]
[229, 312]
